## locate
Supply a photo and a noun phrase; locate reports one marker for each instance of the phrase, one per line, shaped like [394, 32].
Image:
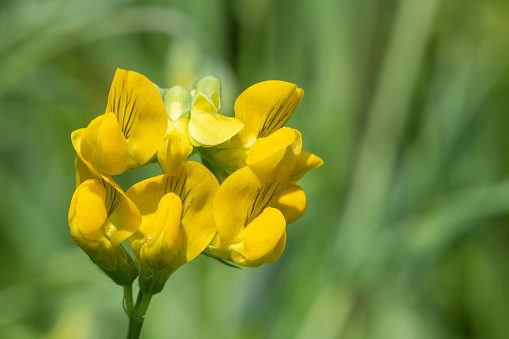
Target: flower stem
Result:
[136, 318]
[128, 300]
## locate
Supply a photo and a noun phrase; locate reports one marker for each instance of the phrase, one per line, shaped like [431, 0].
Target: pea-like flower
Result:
[251, 226]
[131, 130]
[101, 216]
[264, 108]
[177, 221]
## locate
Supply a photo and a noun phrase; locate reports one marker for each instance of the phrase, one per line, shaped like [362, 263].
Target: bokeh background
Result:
[407, 228]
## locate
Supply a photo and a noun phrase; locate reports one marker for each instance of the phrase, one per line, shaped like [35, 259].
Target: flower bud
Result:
[177, 101]
[206, 94]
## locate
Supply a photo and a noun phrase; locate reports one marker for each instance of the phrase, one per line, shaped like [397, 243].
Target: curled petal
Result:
[209, 129]
[180, 129]
[292, 203]
[162, 238]
[84, 170]
[263, 234]
[270, 151]
[104, 145]
[264, 108]
[305, 162]
[278, 250]
[167, 219]
[268, 158]
[76, 139]
[173, 152]
[101, 210]
[124, 219]
[88, 212]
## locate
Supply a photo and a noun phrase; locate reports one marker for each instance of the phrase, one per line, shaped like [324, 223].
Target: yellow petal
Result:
[76, 139]
[113, 146]
[90, 138]
[88, 211]
[124, 218]
[263, 234]
[140, 112]
[292, 203]
[180, 128]
[196, 186]
[305, 162]
[173, 151]
[160, 252]
[273, 161]
[241, 198]
[265, 107]
[104, 146]
[278, 250]
[84, 170]
[270, 151]
[209, 129]
[167, 219]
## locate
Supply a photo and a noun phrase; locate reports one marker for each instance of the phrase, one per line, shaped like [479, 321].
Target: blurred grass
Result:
[406, 231]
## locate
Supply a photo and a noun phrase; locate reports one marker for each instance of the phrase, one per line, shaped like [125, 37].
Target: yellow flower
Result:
[264, 108]
[251, 227]
[131, 130]
[177, 221]
[100, 217]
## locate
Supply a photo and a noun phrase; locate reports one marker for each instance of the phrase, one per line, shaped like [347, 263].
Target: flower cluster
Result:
[234, 207]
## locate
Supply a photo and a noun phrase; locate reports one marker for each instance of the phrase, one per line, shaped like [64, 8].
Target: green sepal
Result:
[209, 159]
[226, 263]
[152, 284]
[125, 270]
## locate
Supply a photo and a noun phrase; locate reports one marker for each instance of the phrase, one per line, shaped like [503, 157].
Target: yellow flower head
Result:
[100, 217]
[177, 224]
[131, 130]
[172, 218]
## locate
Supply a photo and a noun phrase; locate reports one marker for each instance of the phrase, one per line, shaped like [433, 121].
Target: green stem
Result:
[128, 300]
[137, 317]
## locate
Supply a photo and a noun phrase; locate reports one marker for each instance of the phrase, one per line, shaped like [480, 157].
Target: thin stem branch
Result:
[137, 317]
[128, 300]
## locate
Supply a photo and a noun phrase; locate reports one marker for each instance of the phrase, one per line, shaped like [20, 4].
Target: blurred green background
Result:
[406, 232]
